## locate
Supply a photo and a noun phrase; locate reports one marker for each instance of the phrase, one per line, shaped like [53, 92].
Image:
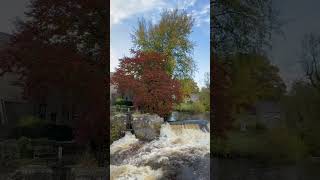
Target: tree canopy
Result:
[242, 26]
[144, 75]
[188, 86]
[310, 58]
[254, 78]
[170, 37]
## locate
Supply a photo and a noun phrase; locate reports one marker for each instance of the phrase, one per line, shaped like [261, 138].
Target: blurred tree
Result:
[221, 107]
[61, 48]
[310, 58]
[253, 78]
[302, 115]
[242, 26]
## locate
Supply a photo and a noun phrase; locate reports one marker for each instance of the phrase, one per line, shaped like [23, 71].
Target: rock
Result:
[117, 126]
[146, 126]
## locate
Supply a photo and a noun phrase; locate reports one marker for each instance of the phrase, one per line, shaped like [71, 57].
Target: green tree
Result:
[170, 37]
[188, 86]
[253, 78]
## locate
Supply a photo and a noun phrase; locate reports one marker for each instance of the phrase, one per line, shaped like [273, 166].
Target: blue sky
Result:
[125, 15]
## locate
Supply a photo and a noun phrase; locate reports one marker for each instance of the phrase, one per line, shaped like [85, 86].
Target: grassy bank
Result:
[276, 145]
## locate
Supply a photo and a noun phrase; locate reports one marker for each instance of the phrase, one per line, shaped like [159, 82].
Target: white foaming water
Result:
[174, 141]
[130, 172]
[123, 144]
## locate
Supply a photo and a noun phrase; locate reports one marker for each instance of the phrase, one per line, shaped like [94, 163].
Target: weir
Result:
[202, 125]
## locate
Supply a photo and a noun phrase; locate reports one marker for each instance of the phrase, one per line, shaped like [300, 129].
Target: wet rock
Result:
[146, 126]
[117, 126]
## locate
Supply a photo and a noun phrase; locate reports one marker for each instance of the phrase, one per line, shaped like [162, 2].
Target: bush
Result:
[31, 121]
[87, 160]
[32, 127]
[280, 144]
[122, 102]
[276, 145]
[116, 130]
[260, 126]
[220, 147]
[193, 107]
[25, 147]
[9, 152]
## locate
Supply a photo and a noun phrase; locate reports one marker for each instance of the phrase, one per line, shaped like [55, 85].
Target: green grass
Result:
[276, 145]
[192, 107]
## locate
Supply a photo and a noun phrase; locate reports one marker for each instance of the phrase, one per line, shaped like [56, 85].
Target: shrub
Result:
[31, 121]
[260, 126]
[220, 147]
[193, 107]
[280, 144]
[9, 152]
[122, 102]
[25, 147]
[32, 127]
[276, 145]
[116, 130]
[87, 160]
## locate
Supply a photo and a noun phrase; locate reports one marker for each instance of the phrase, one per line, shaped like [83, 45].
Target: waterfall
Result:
[178, 152]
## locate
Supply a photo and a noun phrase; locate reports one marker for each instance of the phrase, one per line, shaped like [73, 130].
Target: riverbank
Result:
[274, 145]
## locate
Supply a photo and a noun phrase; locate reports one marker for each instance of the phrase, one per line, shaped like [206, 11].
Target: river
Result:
[181, 152]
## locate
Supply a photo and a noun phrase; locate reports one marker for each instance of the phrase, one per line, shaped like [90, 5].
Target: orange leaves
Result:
[144, 75]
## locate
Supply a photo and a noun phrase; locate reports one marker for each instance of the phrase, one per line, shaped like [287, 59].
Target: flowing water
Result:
[181, 152]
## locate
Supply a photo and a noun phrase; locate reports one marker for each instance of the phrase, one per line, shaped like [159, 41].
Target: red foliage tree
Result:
[144, 76]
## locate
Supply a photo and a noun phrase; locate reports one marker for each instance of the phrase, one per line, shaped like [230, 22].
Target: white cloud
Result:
[114, 60]
[185, 4]
[202, 16]
[123, 9]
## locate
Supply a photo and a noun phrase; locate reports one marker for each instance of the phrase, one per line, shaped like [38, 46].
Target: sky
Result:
[125, 15]
[9, 11]
[300, 17]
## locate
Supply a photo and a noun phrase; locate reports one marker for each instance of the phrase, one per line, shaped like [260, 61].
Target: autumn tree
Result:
[144, 75]
[169, 36]
[61, 49]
